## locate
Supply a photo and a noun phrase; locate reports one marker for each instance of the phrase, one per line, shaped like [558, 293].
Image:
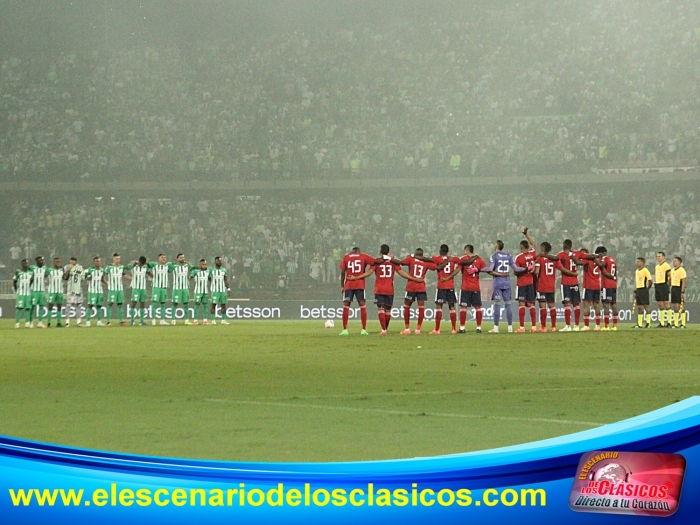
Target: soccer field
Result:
[294, 391]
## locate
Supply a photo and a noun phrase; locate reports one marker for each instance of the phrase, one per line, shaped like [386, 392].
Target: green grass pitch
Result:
[295, 391]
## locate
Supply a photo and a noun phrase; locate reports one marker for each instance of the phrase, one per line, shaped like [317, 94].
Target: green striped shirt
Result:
[181, 273]
[138, 277]
[39, 275]
[217, 279]
[115, 277]
[201, 281]
[23, 282]
[160, 274]
[95, 284]
[56, 280]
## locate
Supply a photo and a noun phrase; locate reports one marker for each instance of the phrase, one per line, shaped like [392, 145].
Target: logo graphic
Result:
[635, 483]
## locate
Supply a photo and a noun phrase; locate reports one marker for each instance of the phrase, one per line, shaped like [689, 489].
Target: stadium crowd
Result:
[577, 85]
[303, 239]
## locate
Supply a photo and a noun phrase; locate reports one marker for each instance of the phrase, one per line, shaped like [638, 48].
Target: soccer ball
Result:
[330, 323]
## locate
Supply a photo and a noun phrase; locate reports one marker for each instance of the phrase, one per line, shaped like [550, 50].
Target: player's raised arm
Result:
[528, 237]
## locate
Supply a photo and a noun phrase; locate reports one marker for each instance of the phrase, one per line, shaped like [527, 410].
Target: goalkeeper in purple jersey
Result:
[499, 266]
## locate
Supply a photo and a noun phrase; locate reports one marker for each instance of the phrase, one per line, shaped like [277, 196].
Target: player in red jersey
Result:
[470, 293]
[591, 289]
[445, 290]
[418, 267]
[525, 283]
[570, 292]
[353, 265]
[384, 269]
[545, 272]
[608, 271]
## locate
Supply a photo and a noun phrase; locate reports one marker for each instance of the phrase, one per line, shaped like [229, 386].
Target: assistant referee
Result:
[642, 280]
[662, 277]
[678, 284]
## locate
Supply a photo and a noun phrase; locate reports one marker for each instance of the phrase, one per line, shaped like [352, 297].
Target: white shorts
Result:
[73, 298]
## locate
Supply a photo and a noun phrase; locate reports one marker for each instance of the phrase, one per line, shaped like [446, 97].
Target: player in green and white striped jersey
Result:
[22, 283]
[115, 288]
[181, 287]
[200, 276]
[38, 290]
[75, 275]
[139, 270]
[55, 288]
[219, 290]
[96, 297]
[159, 294]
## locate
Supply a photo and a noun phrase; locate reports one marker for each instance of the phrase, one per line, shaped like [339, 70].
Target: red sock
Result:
[421, 316]
[553, 316]
[346, 314]
[543, 317]
[462, 317]
[533, 315]
[614, 320]
[363, 316]
[407, 316]
[479, 317]
[607, 320]
[387, 319]
[597, 319]
[438, 318]
[577, 315]
[587, 320]
[567, 315]
[382, 319]
[453, 319]
[521, 315]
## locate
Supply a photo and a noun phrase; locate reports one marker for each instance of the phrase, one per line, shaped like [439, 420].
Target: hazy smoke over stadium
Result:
[281, 134]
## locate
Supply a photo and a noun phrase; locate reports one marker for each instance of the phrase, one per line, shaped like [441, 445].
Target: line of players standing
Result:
[536, 281]
[38, 287]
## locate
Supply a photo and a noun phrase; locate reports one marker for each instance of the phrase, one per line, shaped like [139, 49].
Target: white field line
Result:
[456, 392]
[405, 413]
